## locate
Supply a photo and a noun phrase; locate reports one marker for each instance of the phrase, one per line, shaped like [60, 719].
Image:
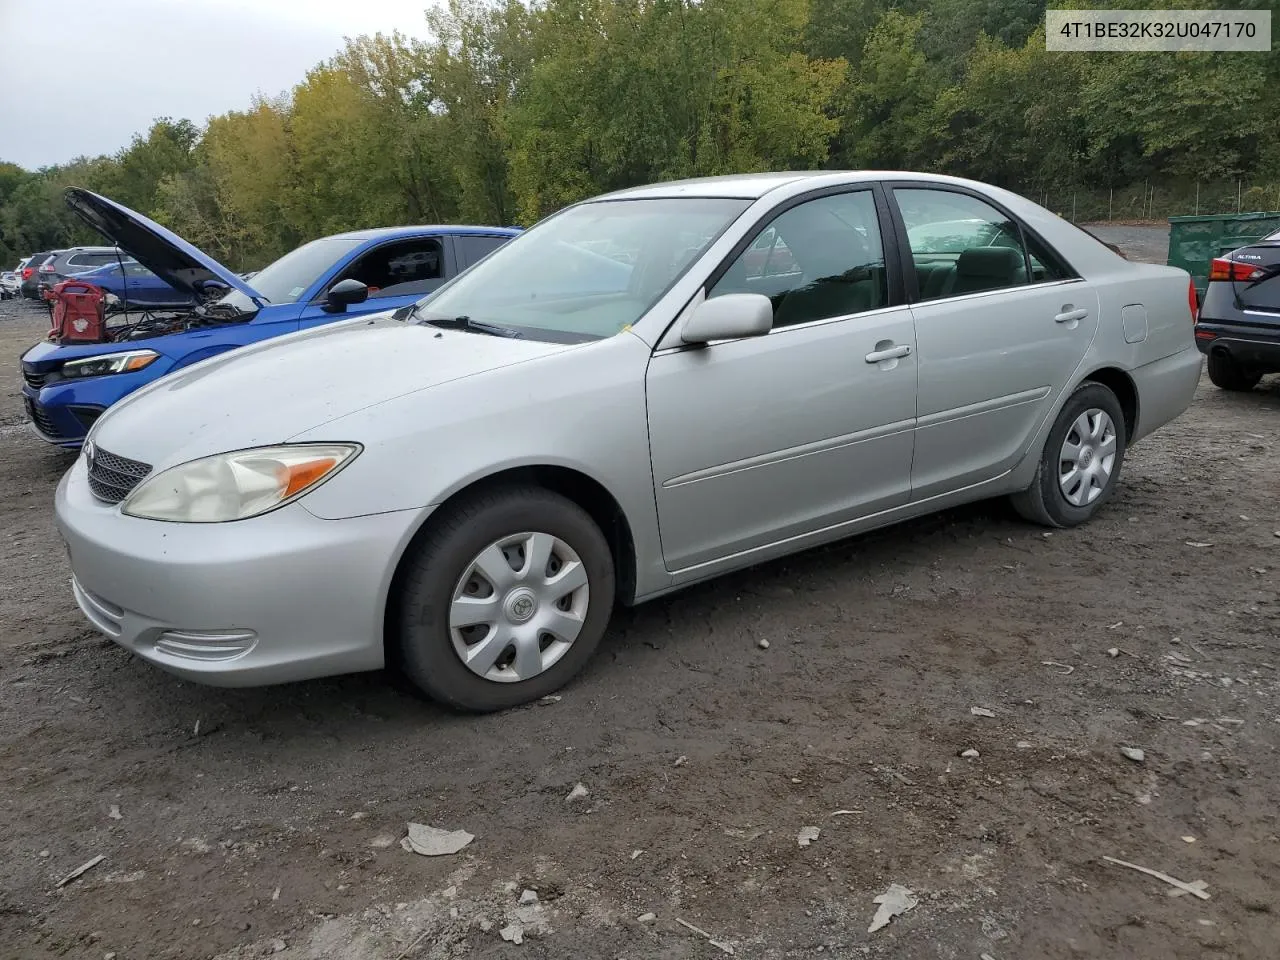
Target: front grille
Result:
[112, 478]
[44, 423]
[34, 380]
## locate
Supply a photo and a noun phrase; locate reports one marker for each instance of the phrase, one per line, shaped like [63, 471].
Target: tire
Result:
[1227, 374]
[426, 644]
[1046, 502]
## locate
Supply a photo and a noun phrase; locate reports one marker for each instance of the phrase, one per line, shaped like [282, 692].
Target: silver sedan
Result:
[643, 391]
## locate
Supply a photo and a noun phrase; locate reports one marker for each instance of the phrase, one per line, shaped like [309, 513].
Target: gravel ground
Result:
[239, 824]
[1148, 243]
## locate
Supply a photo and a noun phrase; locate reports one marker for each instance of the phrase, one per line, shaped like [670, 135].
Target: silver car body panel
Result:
[718, 456]
[309, 593]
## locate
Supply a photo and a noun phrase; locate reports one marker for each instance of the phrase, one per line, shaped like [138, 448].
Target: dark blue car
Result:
[130, 284]
[66, 388]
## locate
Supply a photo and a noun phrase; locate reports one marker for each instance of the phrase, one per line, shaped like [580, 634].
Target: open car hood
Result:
[161, 251]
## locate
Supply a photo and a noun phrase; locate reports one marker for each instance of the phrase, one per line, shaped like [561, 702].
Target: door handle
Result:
[1068, 315]
[892, 353]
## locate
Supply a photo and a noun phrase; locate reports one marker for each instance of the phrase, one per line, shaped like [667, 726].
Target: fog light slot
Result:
[206, 645]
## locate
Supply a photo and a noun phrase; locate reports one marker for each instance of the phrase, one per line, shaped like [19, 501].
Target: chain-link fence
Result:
[1156, 200]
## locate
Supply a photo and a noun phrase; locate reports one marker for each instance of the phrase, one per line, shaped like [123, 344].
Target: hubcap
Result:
[1088, 457]
[518, 607]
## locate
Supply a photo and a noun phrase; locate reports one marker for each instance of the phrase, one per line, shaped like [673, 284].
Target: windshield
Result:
[288, 278]
[590, 271]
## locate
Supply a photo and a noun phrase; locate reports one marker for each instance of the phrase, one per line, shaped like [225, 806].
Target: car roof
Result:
[747, 186]
[753, 186]
[390, 233]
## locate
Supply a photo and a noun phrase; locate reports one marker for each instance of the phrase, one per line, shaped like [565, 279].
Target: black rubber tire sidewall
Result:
[1226, 373]
[424, 650]
[1087, 396]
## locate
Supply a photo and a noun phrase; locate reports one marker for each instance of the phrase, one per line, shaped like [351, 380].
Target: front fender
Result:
[583, 410]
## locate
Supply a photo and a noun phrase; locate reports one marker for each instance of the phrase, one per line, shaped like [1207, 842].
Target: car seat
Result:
[989, 268]
[839, 277]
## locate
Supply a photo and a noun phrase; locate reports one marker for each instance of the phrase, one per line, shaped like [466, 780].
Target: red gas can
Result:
[78, 313]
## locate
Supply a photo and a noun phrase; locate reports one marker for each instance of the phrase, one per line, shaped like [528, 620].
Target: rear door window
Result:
[88, 261]
[960, 244]
[473, 249]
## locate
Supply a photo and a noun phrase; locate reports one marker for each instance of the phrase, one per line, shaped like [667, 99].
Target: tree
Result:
[251, 180]
[134, 179]
[892, 119]
[1016, 119]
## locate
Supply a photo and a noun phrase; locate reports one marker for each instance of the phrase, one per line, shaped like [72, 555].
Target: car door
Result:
[758, 440]
[1001, 324]
[398, 273]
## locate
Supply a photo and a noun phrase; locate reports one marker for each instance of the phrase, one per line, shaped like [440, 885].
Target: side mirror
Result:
[344, 293]
[729, 317]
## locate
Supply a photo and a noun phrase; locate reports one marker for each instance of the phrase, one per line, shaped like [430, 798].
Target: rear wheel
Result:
[504, 600]
[1227, 373]
[1080, 464]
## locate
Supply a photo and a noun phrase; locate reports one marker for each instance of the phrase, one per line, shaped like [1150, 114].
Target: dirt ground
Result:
[239, 824]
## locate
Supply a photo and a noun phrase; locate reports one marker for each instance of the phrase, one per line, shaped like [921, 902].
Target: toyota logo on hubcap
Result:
[521, 606]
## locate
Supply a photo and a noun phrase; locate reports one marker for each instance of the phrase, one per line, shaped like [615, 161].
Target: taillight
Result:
[27, 272]
[1192, 300]
[1223, 269]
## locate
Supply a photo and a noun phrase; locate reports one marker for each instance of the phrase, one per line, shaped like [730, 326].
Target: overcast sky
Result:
[82, 76]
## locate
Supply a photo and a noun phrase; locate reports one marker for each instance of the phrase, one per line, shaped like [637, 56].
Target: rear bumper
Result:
[1251, 345]
[1166, 388]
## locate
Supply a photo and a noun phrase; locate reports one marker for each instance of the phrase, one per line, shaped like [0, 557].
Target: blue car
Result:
[67, 387]
[130, 285]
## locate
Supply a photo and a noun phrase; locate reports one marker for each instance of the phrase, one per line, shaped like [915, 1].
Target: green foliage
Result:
[513, 108]
[892, 119]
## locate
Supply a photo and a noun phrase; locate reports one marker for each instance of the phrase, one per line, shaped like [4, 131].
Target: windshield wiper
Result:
[475, 326]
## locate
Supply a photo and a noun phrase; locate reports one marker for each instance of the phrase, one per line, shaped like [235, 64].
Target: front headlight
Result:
[126, 362]
[238, 485]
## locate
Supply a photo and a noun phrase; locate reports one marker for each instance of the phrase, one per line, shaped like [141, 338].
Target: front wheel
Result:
[504, 600]
[1227, 374]
[1080, 465]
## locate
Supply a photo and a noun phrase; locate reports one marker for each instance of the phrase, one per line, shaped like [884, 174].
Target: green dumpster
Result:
[1194, 241]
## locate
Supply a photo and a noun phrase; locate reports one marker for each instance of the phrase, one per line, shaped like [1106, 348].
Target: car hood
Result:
[278, 389]
[161, 251]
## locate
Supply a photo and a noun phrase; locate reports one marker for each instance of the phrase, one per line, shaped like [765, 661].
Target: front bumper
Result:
[61, 425]
[61, 411]
[274, 599]
[1251, 345]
